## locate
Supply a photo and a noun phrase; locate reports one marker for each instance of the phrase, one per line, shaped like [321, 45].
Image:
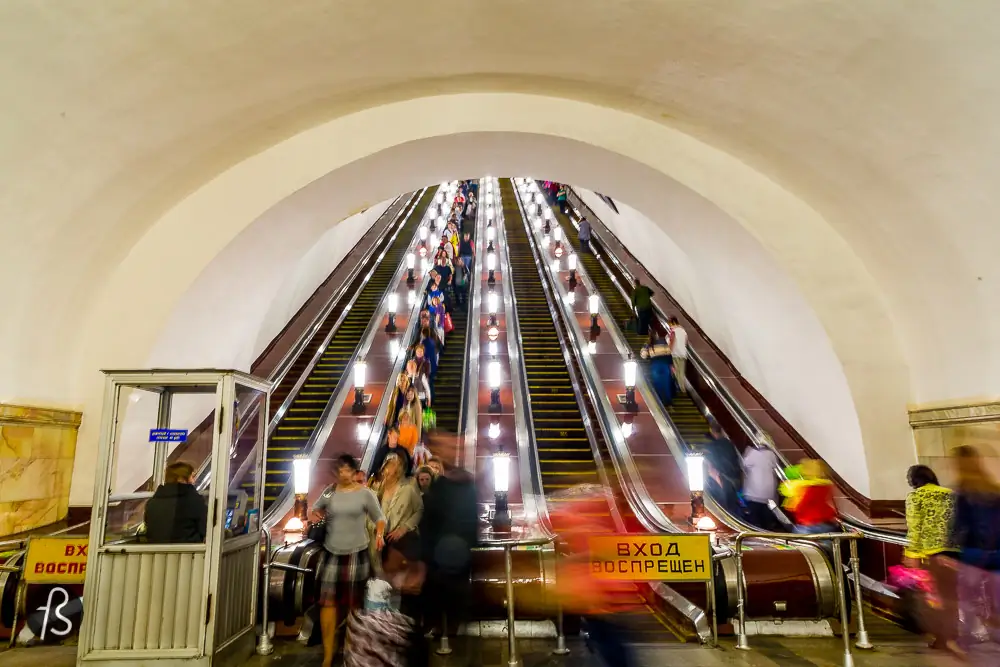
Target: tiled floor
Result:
[767, 652]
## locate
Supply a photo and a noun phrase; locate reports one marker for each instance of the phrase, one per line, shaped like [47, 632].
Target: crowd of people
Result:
[412, 519]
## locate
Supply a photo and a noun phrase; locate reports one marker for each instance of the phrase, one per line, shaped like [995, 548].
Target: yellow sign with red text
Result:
[651, 557]
[56, 560]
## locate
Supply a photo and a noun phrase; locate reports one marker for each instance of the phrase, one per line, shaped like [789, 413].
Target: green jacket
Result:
[642, 298]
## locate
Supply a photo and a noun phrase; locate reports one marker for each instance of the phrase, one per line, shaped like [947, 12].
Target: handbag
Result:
[429, 418]
[316, 530]
[449, 326]
[406, 572]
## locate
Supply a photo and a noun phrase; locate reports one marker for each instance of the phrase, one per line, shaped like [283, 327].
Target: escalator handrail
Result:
[532, 490]
[645, 509]
[317, 439]
[648, 513]
[470, 363]
[404, 215]
[746, 421]
[281, 369]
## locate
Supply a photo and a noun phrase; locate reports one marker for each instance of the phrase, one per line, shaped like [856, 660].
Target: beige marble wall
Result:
[937, 430]
[37, 450]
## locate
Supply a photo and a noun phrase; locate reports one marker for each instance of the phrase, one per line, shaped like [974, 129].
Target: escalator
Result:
[450, 382]
[306, 409]
[684, 412]
[564, 450]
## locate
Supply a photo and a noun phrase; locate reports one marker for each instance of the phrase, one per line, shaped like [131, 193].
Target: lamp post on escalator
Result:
[491, 233]
[295, 527]
[501, 485]
[492, 302]
[595, 307]
[392, 303]
[360, 378]
[696, 483]
[411, 264]
[491, 266]
[631, 371]
[571, 261]
[494, 378]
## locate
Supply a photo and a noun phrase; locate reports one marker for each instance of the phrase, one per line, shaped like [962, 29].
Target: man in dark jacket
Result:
[177, 514]
[724, 468]
[391, 445]
[449, 529]
[642, 304]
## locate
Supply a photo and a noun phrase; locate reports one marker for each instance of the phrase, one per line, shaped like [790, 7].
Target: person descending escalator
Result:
[419, 376]
[344, 508]
[583, 235]
[657, 352]
[561, 199]
[760, 486]
[427, 349]
[392, 446]
[642, 305]
[397, 398]
[466, 250]
[460, 283]
[724, 468]
[678, 348]
[413, 410]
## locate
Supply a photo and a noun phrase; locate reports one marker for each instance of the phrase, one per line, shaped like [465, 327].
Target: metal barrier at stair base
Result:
[863, 641]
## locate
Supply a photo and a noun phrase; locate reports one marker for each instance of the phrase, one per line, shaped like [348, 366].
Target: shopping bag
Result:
[449, 326]
[429, 419]
[377, 595]
[421, 455]
[377, 639]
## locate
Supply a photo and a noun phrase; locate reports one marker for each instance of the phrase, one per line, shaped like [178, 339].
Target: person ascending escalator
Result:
[642, 305]
[809, 498]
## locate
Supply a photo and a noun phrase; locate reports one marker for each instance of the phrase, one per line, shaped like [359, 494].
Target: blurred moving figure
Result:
[581, 594]
[976, 532]
[724, 468]
[809, 499]
[760, 485]
[930, 510]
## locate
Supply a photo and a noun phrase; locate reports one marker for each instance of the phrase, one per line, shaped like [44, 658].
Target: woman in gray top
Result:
[345, 507]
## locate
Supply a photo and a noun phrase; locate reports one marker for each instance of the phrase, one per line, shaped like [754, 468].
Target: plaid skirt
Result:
[343, 578]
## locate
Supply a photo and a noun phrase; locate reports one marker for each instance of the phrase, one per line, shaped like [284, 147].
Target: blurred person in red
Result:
[576, 515]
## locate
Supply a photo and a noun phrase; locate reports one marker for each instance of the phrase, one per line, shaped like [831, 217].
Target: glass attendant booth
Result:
[174, 552]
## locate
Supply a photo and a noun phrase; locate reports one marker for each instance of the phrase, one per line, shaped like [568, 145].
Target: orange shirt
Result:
[408, 437]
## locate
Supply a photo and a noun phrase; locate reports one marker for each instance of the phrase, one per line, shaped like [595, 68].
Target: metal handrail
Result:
[317, 438]
[863, 641]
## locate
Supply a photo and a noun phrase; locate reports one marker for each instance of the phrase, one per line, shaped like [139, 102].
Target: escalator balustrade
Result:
[306, 409]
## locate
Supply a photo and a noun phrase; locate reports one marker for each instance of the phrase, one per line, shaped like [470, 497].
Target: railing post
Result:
[264, 644]
[741, 633]
[445, 647]
[512, 660]
[560, 631]
[863, 642]
[845, 630]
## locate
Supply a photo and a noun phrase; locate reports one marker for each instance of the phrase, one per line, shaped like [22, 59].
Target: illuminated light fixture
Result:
[546, 240]
[411, 263]
[422, 250]
[631, 371]
[440, 198]
[494, 432]
[531, 209]
[364, 430]
[705, 524]
[492, 348]
[423, 232]
[501, 486]
[571, 260]
[595, 305]
[360, 376]
[592, 347]
[557, 234]
[394, 348]
[628, 428]
[411, 298]
[492, 301]
[492, 333]
[301, 473]
[392, 303]
[491, 266]
[539, 199]
[556, 267]
[547, 213]
[558, 251]
[571, 298]
[425, 265]
[494, 380]
[489, 213]
[491, 233]
[489, 199]
[696, 483]
[537, 223]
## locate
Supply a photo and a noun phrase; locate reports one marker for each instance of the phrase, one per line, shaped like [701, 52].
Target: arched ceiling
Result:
[879, 116]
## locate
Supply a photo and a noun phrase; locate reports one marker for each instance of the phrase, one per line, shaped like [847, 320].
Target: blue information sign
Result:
[168, 434]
